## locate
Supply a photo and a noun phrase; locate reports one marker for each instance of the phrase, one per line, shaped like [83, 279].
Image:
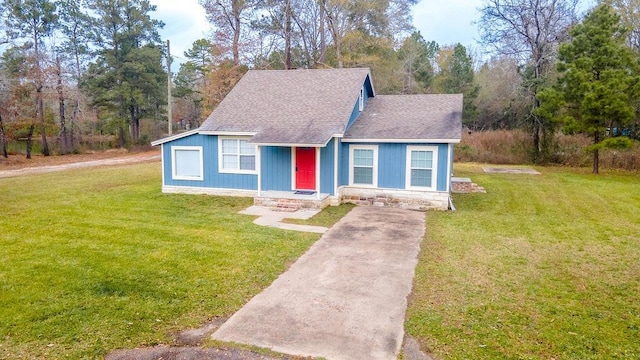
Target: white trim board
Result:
[434, 168]
[408, 141]
[175, 175]
[375, 164]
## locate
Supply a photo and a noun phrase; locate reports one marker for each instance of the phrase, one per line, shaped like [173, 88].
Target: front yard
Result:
[98, 259]
[540, 267]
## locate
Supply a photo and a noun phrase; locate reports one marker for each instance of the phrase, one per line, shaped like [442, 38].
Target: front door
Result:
[305, 168]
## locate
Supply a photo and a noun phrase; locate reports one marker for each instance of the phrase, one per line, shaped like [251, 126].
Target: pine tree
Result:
[599, 78]
[127, 80]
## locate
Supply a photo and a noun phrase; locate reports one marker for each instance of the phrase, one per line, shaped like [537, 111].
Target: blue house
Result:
[309, 138]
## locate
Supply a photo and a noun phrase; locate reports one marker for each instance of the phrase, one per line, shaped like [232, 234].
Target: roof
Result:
[289, 106]
[429, 118]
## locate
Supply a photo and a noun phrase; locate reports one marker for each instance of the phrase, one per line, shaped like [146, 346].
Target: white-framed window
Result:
[421, 167]
[363, 165]
[361, 99]
[236, 155]
[187, 163]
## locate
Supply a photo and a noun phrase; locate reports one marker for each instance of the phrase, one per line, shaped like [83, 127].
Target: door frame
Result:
[293, 169]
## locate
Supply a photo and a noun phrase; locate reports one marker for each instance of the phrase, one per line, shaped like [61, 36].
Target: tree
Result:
[457, 77]
[127, 80]
[599, 78]
[629, 11]
[500, 104]
[34, 19]
[417, 57]
[73, 23]
[529, 30]
[229, 17]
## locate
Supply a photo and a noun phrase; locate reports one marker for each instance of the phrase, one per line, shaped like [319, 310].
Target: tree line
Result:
[67, 63]
[542, 65]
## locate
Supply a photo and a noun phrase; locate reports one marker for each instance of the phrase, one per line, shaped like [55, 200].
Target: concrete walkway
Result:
[345, 298]
[272, 218]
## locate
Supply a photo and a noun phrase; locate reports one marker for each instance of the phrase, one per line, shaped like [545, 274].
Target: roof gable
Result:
[289, 106]
[427, 117]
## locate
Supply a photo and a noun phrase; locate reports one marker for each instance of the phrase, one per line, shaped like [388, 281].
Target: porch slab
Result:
[273, 218]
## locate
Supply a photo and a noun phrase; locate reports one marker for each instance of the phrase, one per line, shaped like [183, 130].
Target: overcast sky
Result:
[445, 22]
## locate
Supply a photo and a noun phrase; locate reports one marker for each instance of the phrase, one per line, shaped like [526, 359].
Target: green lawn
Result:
[99, 259]
[539, 267]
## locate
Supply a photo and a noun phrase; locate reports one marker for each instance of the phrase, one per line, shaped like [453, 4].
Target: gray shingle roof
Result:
[409, 117]
[289, 107]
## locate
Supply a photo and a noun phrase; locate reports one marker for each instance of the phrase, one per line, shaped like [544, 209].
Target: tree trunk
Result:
[323, 41]
[43, 130]
[63, 126]
[121, 136]
[596, 154]
[72, 121]
[3, 140]
[287, 36]
[39, 101]
[236, 8]
[30, 140]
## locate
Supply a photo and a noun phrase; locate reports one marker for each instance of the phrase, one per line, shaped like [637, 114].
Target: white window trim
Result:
[352, 149]
[174, 175]
[434, 168]
[361, 99]
[236, 171]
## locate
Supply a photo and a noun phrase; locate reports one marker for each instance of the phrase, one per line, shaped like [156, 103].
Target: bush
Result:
[511, 147]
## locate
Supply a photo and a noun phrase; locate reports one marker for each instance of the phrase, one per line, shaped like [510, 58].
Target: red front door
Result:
[305, 168]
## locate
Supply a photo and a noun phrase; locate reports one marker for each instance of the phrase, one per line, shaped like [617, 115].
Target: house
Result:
[309, 138]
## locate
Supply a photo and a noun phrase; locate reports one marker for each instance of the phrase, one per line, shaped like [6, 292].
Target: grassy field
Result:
[98, 259]
[539, 267]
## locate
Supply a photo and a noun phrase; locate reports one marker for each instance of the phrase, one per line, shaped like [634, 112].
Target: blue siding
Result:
[276, 168]
[443, 164]
[327, 169]
[392, 160]
[343, 167]
[368, 92]
[212, 178]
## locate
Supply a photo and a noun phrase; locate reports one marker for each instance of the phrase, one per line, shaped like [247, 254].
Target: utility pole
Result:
[169, 115]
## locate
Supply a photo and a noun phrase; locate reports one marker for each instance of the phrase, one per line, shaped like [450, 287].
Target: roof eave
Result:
[398, 141]
[174, 137]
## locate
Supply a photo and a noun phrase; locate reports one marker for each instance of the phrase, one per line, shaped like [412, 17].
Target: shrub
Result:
[511, 147]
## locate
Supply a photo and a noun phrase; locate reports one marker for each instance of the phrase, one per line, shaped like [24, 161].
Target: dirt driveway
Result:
[40, 164]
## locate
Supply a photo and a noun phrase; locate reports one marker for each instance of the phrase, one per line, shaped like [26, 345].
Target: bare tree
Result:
[229, 17]
[34, 19]
[530, 31]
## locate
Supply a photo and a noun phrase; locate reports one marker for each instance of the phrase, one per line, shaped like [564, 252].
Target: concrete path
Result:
[273, 218]
[345, 298]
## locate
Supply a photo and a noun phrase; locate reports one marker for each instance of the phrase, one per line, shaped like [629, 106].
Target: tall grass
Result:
[514, 147]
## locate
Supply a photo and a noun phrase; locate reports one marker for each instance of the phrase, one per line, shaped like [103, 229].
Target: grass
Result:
[327, 217]
[99, 259]
[539, 267]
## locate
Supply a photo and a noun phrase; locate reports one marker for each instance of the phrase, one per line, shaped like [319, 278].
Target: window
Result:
[361, 99]
[186, 162]
[421, 167]
[364, 165]
[236, 156]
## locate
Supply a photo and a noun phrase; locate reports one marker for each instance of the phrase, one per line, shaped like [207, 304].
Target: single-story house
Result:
[308, 138]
